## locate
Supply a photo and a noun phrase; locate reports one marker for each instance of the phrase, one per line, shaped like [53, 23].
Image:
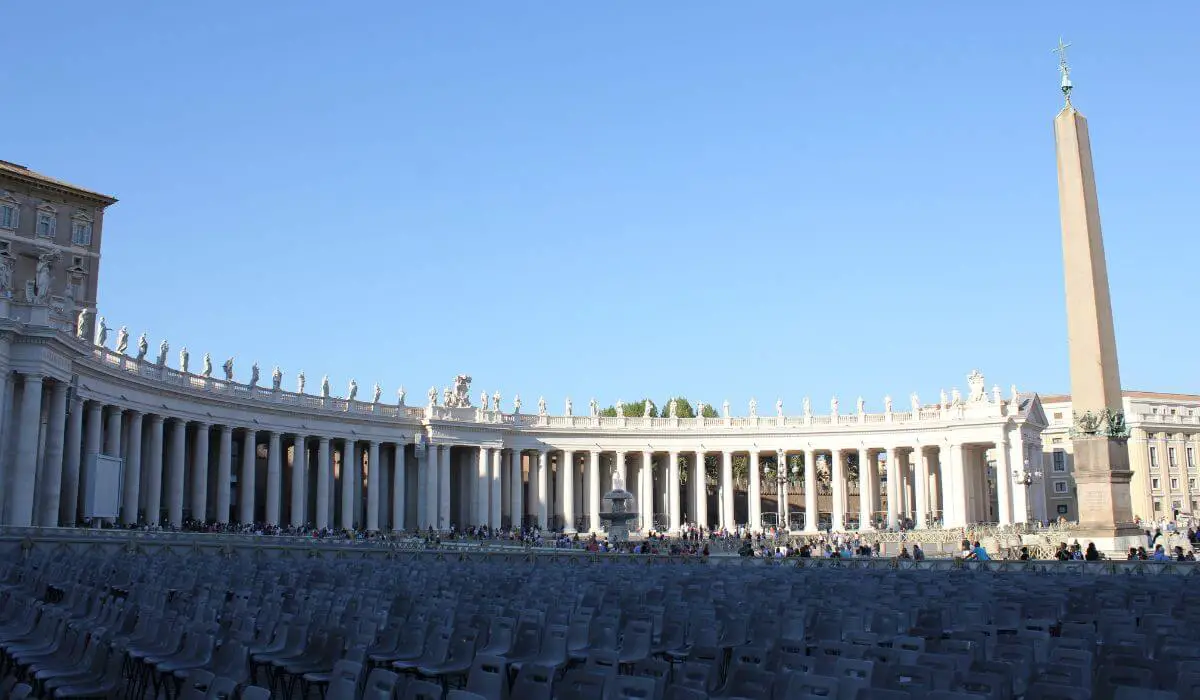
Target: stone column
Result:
[673, 490]
[483, 487]
[24, 477]
[175, 472]
[729, 522]
[594, 490]
[430, 496]
[782, 498]
[154, 466]
[300, 480]
[497, 471]
[516, 490]
[1139, 486]
[839, 490]
[423, 471]
[200, 474]
[52, 462]
[921, 476]
[373, 473]
[274, 504]
[700, 490]
[444, 490]
[646, 498]
[133, 471]
[812, 516]
[543, 490]
[323, 483]
[567, 476]
[350, 467]
[1004, 482]
[68, 507]
[954, 497]
[224, 473]
[754, 497]
[1020, 492]
[864, 490]
[399, 484]
[112, 436]
[893, 488]
[246, 486]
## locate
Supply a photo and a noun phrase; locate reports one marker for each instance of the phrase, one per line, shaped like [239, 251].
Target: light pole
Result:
[1026, 478]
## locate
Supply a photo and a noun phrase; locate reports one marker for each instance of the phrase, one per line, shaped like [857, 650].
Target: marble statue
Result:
[447, 397]
[352, 392]
[300, 382]
[183, 360]
[163, 347]
[6, 276]
[567, 410]
[122, 340]
[861, 405]
[725, 408]
[833, 406]
[541, 405]
[227, 366]
[647, 407]
[516, 403]
[955, 396]
[101, 332]
[807, 407]
[593, 409]
[207, 372]
[461, 398]
[620, 409]
[81, 322]
[254, 374]
[671, 409]
[400, 396]
[276, 378]
[997, 397]
[143, 347]
[975, 385]
[432, 396]
[915, 402]
[43, 278]
[1016, 398]
[943, 400]
[376, 393]
[753, 407]
[618, 481]
[779, 408]
[496, 401]
[887, 404]
[325, 387]
[483, 400]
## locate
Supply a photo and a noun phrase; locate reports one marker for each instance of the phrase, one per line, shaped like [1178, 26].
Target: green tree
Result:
[631, 410]
[685, 408]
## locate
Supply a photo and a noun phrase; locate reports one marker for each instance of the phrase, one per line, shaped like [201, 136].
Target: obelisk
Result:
[1099, 434]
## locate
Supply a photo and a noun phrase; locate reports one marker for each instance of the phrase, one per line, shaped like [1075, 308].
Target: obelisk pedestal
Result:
[1099, 434]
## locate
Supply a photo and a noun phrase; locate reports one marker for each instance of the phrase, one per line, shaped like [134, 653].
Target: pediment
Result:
[1034, 415]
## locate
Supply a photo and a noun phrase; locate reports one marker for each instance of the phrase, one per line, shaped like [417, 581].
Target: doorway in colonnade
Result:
[982, 496]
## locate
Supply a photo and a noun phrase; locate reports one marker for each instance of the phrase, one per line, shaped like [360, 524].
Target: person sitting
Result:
[918, 553]
[1091, 554]
[1024, 554]
[904, 553]
[978, 553]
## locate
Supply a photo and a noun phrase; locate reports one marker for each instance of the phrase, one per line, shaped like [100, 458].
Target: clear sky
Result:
[721, 200]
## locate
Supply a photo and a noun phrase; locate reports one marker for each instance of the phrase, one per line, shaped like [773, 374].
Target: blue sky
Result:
[723, 200]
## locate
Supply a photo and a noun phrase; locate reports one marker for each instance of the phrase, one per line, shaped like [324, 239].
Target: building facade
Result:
[1164, 454]
[47, 224]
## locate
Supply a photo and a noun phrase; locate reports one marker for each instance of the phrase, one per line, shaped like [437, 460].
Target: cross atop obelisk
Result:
[1102, 472]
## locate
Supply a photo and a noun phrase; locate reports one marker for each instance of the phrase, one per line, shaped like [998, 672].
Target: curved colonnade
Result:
[202, 448]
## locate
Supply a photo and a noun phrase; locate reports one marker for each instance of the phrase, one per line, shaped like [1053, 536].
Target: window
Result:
[81, 229]
[1191, 484]
[1154, 484]
[1153, 457]
[1060, 487]
[1063, 509]
[77, 262]
[1058, 415]
[1060, 461]
[1174, 484]
[47, 221]
[1158, 506]
[8, 215]
[1171, 457]
[1191, 458]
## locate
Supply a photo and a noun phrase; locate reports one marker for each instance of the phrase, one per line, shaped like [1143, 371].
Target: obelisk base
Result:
[1102, 477]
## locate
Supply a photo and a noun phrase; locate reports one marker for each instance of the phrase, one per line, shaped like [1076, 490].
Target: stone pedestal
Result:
[1102, 478]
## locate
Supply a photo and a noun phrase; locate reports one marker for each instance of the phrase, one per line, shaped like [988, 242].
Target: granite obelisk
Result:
[1099, 435]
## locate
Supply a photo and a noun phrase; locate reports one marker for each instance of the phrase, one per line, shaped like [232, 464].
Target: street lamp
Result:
[1025, 478]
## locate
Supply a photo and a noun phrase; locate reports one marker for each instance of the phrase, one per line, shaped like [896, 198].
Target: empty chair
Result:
[621, 687]
[255, 692]
[380, 685]
[533, 682]
[488, 677]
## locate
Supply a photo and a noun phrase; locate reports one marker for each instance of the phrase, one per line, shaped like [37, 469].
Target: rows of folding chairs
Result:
[191, 626]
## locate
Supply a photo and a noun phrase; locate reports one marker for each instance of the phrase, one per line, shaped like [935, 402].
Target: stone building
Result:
[42, 218]
[1164, 453]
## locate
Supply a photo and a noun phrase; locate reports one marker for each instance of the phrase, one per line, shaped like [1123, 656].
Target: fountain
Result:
[618, 510]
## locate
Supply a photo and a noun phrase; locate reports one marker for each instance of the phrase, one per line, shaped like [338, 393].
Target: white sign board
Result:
[102, 497]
